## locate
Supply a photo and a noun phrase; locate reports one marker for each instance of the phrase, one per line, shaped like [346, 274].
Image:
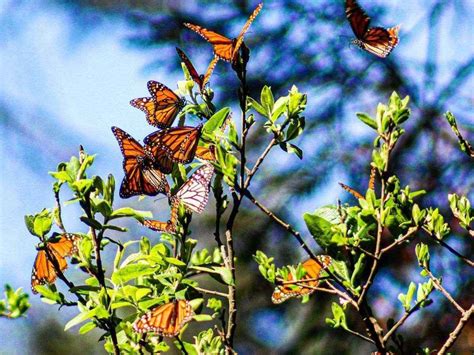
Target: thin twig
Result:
[398, 241]
[446, 294]
[403, 319]
[281, 223]
[357, 334]
[451, 249]
[211, 292]
[457, 331]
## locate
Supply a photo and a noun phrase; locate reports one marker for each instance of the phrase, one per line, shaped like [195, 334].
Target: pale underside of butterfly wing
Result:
[194, 193]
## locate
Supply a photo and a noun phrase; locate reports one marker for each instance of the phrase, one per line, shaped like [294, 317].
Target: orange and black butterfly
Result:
[313, 272]
[162, 107]
[172, 145]
[206, 153]
[375, 40]
[55, 252]
[225, 48]
[166, 320]
[141, 177]
[168, 226]
[200, 80]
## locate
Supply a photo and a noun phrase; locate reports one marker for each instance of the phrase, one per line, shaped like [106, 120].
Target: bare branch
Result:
[457, 331]
[439, 287]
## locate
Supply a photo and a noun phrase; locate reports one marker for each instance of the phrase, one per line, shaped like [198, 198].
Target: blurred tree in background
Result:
[307, 43]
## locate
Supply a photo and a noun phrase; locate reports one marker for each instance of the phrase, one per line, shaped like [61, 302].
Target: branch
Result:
[281, 223]
[451, 249]
[398, 241]
[440, 288]
[211, 292]
[403, 319]
[457, 331]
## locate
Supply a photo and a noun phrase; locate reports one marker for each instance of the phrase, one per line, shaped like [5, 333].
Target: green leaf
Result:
[202, 317]
[256, 106]
[130, 212]
[409, 296]
[91, 222]
[216, 121]
[42, 223]
[86, 328]
[365, 118]
[225, 274]
[130, 272]
[267, 101]
[175, 261]
[320, 224]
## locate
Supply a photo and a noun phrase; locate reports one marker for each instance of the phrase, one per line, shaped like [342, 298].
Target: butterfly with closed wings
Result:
[199, 79]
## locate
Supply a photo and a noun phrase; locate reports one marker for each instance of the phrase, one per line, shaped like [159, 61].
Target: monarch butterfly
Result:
[373, 171]
[200, 80]
[170, 225]
[166, 320]
[375, 40]
[194, 193]
[140, 175]
[162, 107]
[206, 153]
[313, 271]
[353, 192]
[225, 48]
[172, 145]
[55, 252]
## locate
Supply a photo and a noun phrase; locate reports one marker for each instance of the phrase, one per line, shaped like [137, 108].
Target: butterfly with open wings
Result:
[225, 48]
[375, 40]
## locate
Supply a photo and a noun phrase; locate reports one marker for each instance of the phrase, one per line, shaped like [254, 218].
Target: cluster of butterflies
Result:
[146, 167]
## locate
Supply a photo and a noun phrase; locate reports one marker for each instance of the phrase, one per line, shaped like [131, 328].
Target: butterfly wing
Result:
[162, 107]
[380, 41]
[43, 269]
[140, 176]
[358, 19]
[223, 46]
[168, 226]
[313, 271]
[209, 71]
[240, 37]
[206, 153]
[194, 193]
[173, 145]
[192, 71]
[166, 320]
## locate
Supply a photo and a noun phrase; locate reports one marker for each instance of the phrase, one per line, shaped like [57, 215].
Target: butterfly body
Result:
[55, 252]
[162, 107]
[313, 271]
[166, 320]
[376, 40]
